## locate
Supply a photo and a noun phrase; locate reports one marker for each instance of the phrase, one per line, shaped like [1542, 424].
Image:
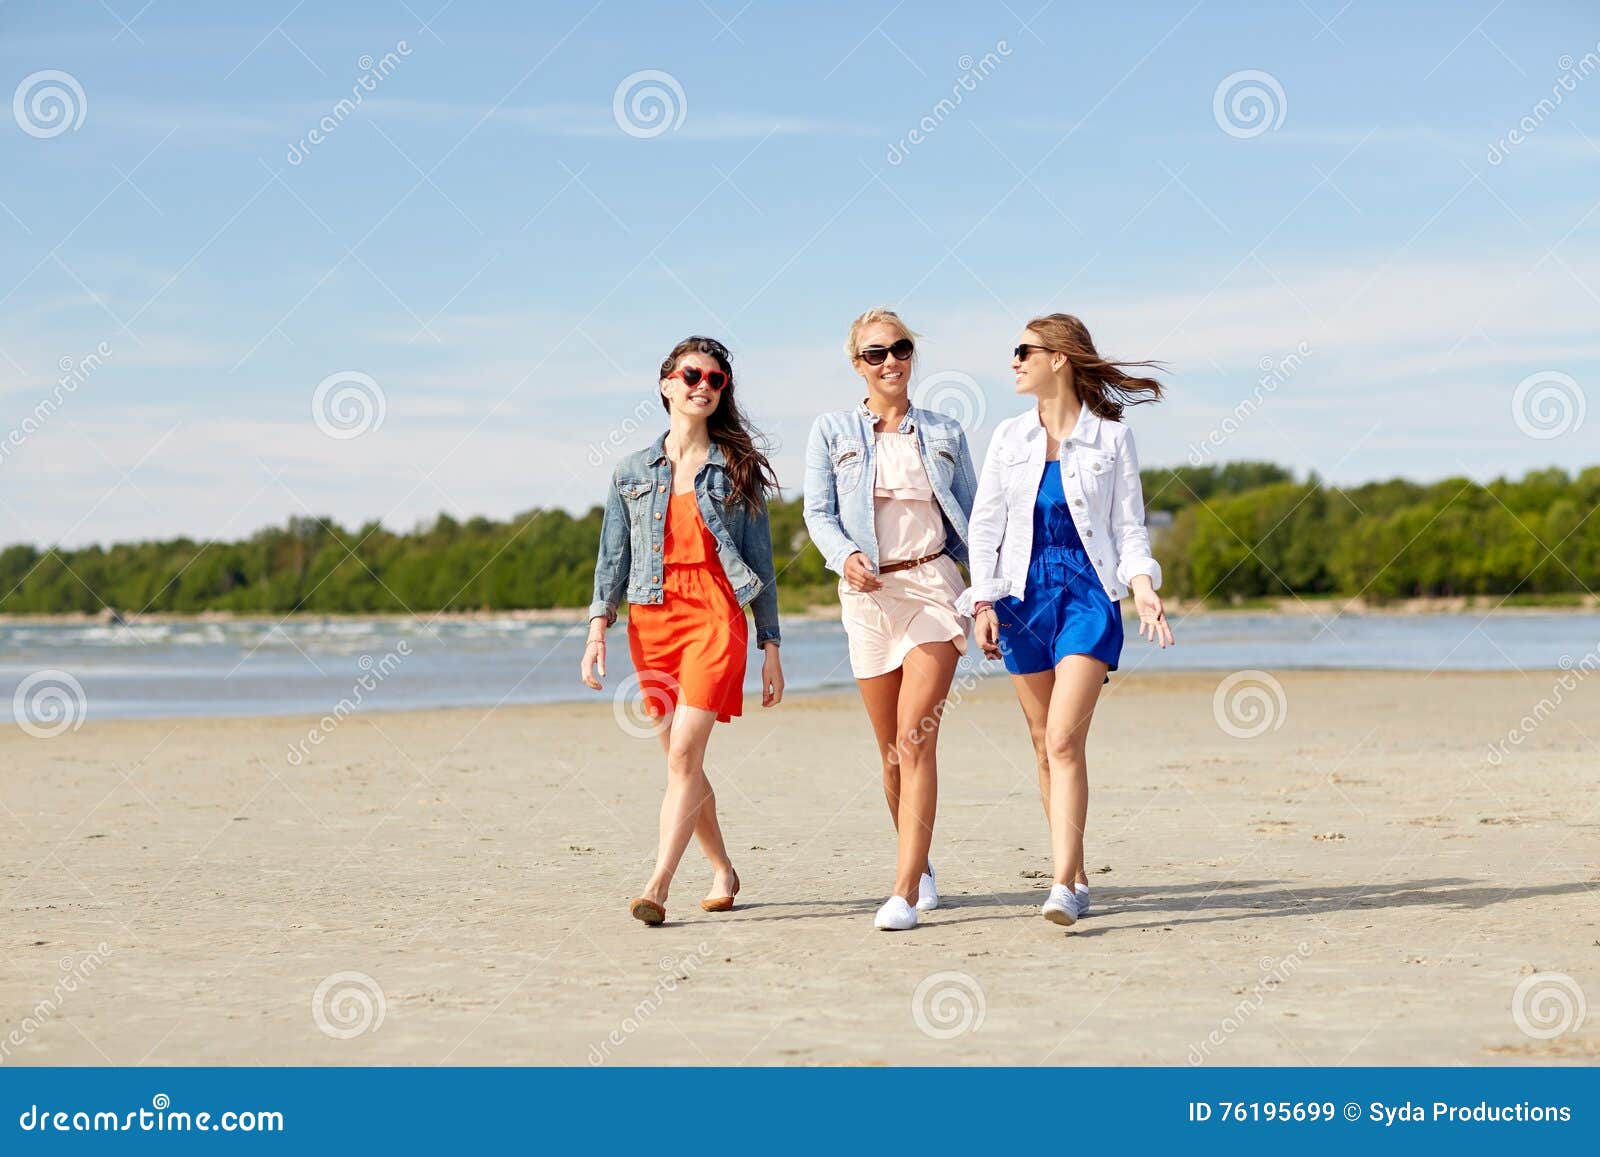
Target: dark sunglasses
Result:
[1023, 352]
[876, 355]
[691, 376]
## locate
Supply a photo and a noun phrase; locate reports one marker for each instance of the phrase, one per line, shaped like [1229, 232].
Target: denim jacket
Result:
[633, 535]
[840, 467]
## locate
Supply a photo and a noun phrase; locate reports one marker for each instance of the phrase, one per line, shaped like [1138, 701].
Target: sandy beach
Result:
[1359, 884]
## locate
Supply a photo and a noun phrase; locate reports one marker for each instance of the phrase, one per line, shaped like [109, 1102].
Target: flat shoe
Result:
[648, 911]
[722, 903]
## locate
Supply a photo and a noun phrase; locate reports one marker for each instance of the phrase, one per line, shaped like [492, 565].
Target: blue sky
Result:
[483, 239]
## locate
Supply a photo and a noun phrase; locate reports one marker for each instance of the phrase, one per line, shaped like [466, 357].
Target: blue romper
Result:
[1064, 609]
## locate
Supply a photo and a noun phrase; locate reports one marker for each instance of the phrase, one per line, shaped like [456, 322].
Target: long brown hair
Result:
[1101, 385]
[742, 445]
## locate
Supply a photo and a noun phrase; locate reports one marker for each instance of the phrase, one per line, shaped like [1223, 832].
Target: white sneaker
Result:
[1061, 907]
[1082, 892]
[927, 892]
[895, 916]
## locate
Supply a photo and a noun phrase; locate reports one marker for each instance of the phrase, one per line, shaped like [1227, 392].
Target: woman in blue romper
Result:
[1056, 539]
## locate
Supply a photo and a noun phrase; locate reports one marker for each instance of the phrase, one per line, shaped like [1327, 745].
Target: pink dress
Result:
[913, 606]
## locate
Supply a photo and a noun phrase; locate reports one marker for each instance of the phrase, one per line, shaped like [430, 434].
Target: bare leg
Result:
[707, 828]
[687, 793]
[1034, 693]
[1072, 702]
[926, 679]
[881, 694]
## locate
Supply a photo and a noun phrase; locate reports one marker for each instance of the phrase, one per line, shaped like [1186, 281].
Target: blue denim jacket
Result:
[633, 535]
[841, 464]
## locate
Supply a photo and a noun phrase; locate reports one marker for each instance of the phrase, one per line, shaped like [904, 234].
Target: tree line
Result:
[1243, 530]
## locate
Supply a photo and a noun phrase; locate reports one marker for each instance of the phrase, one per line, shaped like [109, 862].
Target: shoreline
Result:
[1309, 607]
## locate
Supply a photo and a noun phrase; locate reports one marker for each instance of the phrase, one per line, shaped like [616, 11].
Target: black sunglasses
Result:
[1023, 352]
[876, 355]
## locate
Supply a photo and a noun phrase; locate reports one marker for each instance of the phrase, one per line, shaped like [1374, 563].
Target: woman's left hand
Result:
[1152, 615]
[771, 678]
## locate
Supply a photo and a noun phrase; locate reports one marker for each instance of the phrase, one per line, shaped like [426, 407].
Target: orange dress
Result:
[690, 647]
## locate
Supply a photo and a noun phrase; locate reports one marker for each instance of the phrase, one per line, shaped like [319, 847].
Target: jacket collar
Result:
[657, 453]
[1086, 432]
[907, 424]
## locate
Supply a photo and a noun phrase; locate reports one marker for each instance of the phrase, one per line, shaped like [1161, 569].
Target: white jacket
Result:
[1100, 475]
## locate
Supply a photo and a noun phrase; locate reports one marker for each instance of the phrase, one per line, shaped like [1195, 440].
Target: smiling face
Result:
[1042, 372]
[892, 378]
[698, 401]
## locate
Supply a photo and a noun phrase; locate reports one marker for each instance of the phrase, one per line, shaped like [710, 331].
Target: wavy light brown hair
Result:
[742, 445]
[1102, 385]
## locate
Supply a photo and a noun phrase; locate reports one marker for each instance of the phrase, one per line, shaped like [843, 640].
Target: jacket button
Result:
[658, 514]
[1078, 503]
[1090, 533]
[655, 578]
[661, 489]
[656, 548]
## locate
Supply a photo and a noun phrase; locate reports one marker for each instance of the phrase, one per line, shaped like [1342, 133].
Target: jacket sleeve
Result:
[756, 550]
[1127, 518]
[986, 529]
[822, 503]
[966, 479]
[614, 560]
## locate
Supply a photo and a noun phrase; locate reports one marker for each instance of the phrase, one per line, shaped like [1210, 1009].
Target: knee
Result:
[1040, 748]
[913, 748]
[681, 761]
[1065, 748]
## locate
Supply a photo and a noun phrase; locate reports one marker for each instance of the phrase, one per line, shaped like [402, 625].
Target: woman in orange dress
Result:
[686, 537]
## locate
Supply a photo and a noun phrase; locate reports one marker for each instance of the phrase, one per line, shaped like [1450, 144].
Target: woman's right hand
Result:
[594, 655]
[987, 632]
[858, 573]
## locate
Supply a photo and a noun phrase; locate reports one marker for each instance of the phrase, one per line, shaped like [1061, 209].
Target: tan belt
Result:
[891, 567]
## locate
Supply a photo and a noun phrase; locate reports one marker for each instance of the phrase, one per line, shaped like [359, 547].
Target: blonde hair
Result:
[876, 314]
